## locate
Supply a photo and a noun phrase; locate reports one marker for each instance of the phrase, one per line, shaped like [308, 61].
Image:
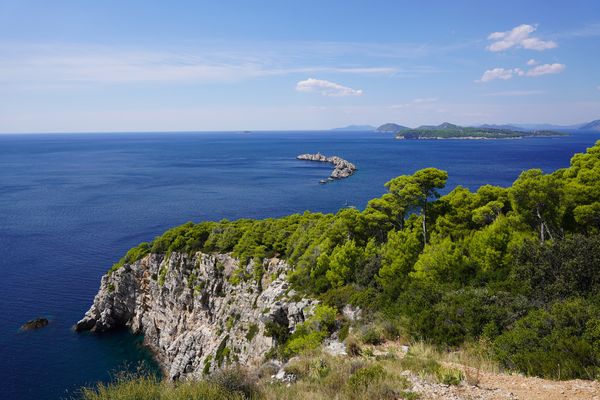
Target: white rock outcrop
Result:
[342, 168]
[191, 314]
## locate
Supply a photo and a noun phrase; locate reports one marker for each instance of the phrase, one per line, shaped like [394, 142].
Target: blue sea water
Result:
[71, 205]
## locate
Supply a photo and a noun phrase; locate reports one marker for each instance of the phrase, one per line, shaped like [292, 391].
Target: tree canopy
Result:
[517, 266]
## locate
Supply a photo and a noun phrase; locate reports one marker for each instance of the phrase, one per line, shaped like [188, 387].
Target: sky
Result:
[103, 66]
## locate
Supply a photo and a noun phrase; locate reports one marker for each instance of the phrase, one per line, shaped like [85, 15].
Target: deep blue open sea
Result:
[72, 204]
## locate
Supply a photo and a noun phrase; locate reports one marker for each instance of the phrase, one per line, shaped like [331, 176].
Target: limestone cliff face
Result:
[194, 315]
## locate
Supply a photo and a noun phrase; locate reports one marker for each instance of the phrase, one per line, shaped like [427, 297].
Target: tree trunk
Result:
[543, 227]
[425, 223]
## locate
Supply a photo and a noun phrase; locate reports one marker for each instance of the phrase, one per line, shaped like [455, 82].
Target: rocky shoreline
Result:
[342, 168]
[194, 314]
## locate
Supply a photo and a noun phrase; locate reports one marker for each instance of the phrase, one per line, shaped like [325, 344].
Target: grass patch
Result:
[252, 331]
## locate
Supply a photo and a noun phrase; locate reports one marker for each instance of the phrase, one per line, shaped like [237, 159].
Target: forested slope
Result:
[517, 267]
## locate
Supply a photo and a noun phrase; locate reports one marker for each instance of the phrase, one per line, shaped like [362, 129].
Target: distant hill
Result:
[355, 128]
[390, 127]
[451, 131]
[505, 126]
[530, 127]
[443, 125]
[591, 126]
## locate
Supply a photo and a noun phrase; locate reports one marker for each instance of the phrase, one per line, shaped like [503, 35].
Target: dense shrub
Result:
[309, 334]
[560, 343]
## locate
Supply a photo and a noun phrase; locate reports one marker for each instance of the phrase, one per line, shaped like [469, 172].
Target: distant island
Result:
[447, 130]
[355, 128]
[391, 128]
[591, 126]
[583, 126]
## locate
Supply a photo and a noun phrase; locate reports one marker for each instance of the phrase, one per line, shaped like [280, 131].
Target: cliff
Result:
[342, 168]
[193, 312]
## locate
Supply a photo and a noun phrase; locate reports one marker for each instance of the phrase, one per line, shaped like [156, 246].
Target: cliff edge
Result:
[193, 311]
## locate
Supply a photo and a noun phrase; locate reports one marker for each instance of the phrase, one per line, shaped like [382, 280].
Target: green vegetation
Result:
[517, 266]
[231, 384]
[391, 128]
[309, 334]
[319, 377]
[447, 131]
[252, 331]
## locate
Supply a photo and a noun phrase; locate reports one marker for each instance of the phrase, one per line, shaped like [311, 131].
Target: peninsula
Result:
[302, 303]
[342, 168]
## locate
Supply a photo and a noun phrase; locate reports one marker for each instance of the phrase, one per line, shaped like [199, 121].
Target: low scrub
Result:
[228, 385]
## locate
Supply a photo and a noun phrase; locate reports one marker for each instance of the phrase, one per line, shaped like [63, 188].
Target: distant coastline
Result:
[451, 131]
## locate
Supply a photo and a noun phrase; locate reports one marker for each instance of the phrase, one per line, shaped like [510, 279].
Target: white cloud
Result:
[546, 69]
[532, 62]
[326, 88]
[509, 73]
[499, 73]
[519, 37]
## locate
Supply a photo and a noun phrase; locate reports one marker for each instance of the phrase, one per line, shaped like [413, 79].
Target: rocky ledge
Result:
[194, 311]
[342, 168]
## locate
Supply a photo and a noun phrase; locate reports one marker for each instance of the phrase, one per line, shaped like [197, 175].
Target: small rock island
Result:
[342, 168]
[36, 323]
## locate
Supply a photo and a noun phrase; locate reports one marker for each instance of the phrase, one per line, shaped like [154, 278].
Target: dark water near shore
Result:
[71, 205]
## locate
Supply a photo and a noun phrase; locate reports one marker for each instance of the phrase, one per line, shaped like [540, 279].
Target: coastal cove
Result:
[71, 206]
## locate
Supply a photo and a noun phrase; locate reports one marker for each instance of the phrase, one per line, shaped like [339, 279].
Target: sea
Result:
[72, 204]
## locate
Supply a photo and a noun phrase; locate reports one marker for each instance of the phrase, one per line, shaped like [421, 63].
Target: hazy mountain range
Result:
[395, 128]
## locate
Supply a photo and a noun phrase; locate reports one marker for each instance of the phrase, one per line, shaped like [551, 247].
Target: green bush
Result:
[252, 331]
[449, 376]
[310, 334]
[371, 335]
[559, 343]
[366, 376]
[132, 255]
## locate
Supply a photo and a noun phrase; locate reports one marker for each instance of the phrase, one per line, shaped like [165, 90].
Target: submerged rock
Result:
[342, 168]
[195, 312]
[36, 323]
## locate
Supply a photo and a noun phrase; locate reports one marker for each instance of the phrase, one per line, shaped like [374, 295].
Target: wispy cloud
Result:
[532, 62]
[60, 65]
[588, 30]
[499, 73]
[515, 93]
[546, 69]
[326, 88]
[519, 37]
[509, 73]
[64, 65]
[415, 102]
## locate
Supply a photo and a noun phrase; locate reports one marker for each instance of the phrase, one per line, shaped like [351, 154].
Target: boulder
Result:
[36, 323]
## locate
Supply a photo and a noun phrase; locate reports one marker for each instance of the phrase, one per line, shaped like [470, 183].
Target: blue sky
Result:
[81, 66]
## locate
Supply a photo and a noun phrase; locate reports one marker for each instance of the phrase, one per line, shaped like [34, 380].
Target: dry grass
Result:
[373, 372]
[322, 377]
